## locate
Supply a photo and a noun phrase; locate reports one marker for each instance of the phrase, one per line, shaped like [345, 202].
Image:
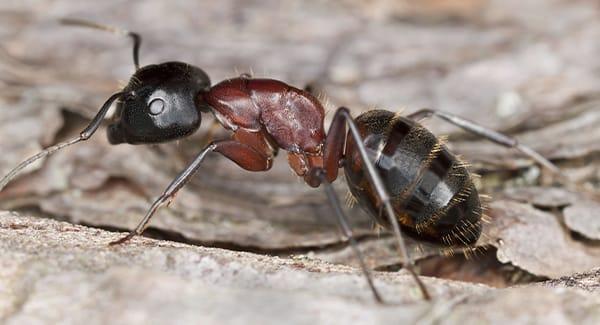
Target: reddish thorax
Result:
[285, 116]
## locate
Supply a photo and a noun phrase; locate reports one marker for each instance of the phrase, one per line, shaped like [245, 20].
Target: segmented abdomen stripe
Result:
[438, 186]
[430, 164]
[397, 133]
[431, 190]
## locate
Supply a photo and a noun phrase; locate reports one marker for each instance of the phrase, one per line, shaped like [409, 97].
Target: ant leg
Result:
[345, 226]
[83, 136]
[168, 194]
[344, 114]
[210, 134]
[505, 141]
[489, 134]
[242, 154]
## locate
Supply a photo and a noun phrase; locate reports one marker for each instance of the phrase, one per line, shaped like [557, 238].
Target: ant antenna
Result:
[84, 135]
[137, 39]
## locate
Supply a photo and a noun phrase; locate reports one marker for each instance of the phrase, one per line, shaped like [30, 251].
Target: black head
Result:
[159, 104]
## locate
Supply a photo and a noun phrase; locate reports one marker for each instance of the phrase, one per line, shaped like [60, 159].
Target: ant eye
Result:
[156, 106]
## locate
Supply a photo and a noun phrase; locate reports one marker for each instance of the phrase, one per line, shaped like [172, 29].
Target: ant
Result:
[403, 175]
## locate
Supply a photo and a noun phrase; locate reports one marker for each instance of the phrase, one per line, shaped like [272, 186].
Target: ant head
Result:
[159, 104]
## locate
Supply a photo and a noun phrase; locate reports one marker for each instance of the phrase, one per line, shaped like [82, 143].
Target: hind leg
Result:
[489, 134]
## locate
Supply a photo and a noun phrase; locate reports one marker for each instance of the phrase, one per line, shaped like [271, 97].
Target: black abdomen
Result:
[431, 191]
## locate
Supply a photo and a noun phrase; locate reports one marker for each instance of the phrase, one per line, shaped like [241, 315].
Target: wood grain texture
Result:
[529, 68]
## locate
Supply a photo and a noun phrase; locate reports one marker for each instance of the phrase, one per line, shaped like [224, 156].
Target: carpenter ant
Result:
[398, 171]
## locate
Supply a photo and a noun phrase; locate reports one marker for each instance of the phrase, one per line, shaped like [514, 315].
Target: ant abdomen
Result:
[430, 189]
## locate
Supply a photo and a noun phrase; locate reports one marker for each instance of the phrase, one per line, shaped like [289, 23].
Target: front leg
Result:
[242, 154]
[83, 136]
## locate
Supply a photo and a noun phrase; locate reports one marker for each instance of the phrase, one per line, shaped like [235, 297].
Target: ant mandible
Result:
[397, 170]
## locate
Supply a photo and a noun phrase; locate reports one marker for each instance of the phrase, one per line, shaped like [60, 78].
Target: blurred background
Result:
[527, 68]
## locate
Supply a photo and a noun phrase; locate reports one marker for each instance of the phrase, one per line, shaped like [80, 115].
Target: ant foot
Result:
[123, 239]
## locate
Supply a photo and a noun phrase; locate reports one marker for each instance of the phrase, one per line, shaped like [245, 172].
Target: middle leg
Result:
[242, 154]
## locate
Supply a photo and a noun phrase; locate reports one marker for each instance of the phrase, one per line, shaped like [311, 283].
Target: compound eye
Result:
[156, 106]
